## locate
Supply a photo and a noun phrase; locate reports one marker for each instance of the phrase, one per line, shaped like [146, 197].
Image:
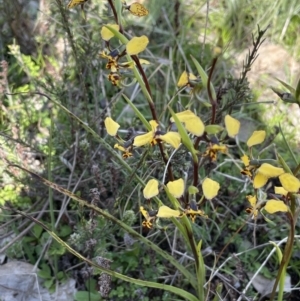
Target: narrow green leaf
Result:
[284, 96]
[119, 5]
[213, 129]
[199, 246]
[200, 271]
[184, 136]
[290, 88]
[204, 77]
[118, 35]
[267, 219]
[285, 166]
[297, 93]
[176, 206]
[173, 200]
[138, 113]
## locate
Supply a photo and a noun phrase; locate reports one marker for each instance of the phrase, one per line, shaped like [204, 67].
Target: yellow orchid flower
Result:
[137, 9]
[245, 160]
[136, 45]
[114, 78]
[106, 34]
[289, 182]
[111, 126]
[112, 58]
[257, 137]
[151, 189]
[162, 212]
[270, 171]
[192, 214]
[213, 149]
[149, 217]
[259, 180]
[126, 151]
[253, 209]
[249, 169]
[176, 188]
[232, 126]
[153, 136]
[273, 206]
[210, 188]
[264, 173]
[185, 78]
[281, 190]
[192, 122]
[167, 212]
[130, 65]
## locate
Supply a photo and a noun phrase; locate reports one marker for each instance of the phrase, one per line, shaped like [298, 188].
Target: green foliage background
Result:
[53, 53]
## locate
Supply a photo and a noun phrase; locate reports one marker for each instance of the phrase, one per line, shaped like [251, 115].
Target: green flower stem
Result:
[212, 97]
[297, 93]
[199, 264]
[185, 228]
[287, 253]
[50, 190]
[178, 224]
[206, 80]
[138, 113]
[188, 143]
[49, 160]
[200, 272]
[184, 136]
[293, 206]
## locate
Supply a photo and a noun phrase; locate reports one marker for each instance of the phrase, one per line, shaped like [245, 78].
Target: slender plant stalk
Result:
[211, 99]
[50, 190]
[287, 253]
